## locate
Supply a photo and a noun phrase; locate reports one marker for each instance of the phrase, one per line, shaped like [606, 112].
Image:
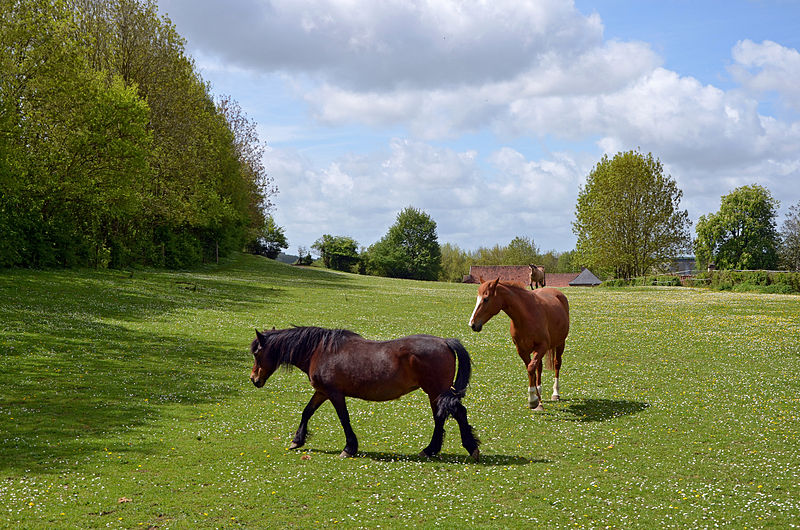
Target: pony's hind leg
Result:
[469, 441]
[302, 431]
[438, 431]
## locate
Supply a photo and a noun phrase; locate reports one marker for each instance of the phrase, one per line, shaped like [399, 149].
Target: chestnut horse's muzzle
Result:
[475, 326]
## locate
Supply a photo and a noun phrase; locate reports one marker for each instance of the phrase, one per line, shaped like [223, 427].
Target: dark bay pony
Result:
[340, 363]
[539, 327]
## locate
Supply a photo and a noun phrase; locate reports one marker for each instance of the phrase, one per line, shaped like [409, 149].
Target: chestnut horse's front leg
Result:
[302, 431]
[535, 378]
[534, 387]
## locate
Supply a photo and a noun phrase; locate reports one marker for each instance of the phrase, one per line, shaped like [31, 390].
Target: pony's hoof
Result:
[295, 445]
[475, 455]
[534, 405]
[556, 397]
[539, 408]
[423, 454]
[345, 454]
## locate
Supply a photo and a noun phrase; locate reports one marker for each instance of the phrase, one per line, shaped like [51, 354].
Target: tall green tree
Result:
[410, 249]
[628, 216]
[790, 240]
[742, 234]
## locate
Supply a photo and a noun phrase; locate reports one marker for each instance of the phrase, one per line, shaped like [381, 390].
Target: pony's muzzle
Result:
[476, 326]
[256, 382]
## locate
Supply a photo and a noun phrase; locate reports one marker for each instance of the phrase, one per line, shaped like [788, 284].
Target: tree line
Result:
[410, 249]
[113, 151]
[628, 222]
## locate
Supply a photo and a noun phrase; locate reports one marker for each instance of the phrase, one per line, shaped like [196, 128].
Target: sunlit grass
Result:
[125, 402]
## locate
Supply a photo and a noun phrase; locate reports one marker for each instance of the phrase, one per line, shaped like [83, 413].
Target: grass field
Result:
[125, 403]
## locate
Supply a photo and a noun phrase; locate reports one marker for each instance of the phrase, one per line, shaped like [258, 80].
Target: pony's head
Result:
[265, 361]
[487, 305]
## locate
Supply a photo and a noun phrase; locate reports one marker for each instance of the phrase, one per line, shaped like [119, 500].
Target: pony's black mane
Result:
[294, 346]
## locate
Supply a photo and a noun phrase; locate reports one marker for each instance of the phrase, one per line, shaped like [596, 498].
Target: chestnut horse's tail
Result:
[550, 359]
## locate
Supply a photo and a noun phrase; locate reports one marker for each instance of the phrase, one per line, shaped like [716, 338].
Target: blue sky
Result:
[490, 115]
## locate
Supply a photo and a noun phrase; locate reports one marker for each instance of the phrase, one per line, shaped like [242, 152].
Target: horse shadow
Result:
[598, 409]
[442, 458]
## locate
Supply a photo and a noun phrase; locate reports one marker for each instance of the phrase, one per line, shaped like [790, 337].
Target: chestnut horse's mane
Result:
[295, 346]
[515, 285]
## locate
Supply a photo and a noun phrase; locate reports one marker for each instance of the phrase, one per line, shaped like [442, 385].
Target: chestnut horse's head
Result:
[487, 306]
[264, 363]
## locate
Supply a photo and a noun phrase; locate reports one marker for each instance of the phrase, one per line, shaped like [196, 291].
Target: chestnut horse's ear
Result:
[480, 279]
[493, 285]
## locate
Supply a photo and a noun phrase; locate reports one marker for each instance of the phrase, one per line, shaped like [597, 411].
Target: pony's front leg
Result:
[351, 445]
[302, 431]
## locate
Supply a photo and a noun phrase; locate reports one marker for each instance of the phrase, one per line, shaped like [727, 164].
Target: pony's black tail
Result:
[459, 387]
[449, 402]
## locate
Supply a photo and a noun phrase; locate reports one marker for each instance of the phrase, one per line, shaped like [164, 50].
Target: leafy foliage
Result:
[628, 217]
[269, 240]
[790, 240]
[337, 252]
[112, 151]
[742, 235]
[409, 250]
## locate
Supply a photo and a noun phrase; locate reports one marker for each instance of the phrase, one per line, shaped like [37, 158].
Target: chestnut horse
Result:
[340, 363]
[539, 327]
[537, 276]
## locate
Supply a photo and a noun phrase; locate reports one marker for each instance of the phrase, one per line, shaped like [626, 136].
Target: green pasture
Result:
[125, 403]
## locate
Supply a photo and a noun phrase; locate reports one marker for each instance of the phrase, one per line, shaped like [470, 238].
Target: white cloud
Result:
[768, 67]
[415, 71]
[379, 45]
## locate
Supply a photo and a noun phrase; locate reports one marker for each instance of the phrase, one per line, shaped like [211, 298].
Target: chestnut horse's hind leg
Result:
[302, 431]
[351, 445]
[557, 368]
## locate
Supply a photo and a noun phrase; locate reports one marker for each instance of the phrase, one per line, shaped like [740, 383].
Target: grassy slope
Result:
[125, 402]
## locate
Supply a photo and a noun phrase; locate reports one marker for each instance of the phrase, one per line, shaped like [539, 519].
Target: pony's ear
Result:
[493, 285]
[480, 279]
[261, 338]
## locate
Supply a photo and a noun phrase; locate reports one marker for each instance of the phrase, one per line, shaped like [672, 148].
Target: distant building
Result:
[683, 265]
[585, 279]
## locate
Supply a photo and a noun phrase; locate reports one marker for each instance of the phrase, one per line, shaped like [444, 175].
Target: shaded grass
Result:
[124, 402]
